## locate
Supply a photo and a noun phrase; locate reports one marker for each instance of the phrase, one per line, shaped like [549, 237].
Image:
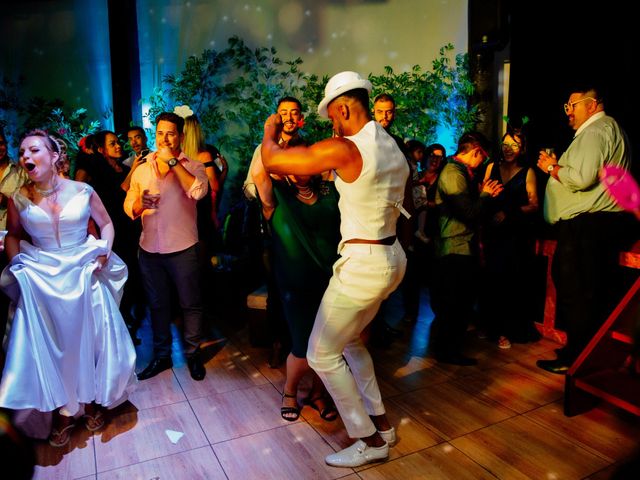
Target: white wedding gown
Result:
[67, 343]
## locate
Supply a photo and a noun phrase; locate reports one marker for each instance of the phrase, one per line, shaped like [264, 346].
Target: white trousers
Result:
[362, 278]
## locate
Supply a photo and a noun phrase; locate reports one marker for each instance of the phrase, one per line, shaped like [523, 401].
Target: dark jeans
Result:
[133, 295]
[161, 274]
[453, 295]
[584, 273]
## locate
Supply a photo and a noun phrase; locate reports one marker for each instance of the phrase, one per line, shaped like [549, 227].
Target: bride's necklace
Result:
[306, 192]
[47, 192]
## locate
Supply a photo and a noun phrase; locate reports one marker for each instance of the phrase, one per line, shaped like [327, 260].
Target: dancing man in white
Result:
[371, 174]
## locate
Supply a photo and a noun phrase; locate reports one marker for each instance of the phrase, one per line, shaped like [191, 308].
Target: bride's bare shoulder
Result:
[74, 185]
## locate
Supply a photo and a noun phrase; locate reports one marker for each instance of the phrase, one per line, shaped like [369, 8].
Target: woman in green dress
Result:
[305, 228]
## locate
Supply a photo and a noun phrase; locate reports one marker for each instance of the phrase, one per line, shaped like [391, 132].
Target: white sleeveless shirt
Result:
[370, 205]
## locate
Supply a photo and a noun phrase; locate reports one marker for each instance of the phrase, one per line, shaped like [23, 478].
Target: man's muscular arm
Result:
[336, 153]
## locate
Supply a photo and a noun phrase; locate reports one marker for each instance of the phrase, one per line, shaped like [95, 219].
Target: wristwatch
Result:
[172, 162]
[551, 167]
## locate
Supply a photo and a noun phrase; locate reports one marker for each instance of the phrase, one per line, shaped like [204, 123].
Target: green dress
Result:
[305, 243]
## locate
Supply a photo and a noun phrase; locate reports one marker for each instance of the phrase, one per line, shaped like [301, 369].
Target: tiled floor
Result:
[502, 419]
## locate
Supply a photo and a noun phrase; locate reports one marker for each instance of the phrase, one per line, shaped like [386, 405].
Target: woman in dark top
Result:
[435, 155]
[194, 147]
[509, 245]
[104, 171]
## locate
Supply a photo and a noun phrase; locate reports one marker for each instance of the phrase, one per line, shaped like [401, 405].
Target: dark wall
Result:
[555, 44]
[489, 36]
[125, 63]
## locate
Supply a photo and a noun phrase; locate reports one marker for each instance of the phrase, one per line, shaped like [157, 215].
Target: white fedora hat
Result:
[337, 85]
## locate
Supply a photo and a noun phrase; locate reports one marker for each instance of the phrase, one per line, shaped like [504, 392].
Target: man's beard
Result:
[289, 128]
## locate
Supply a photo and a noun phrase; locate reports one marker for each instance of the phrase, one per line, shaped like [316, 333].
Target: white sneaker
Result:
[358, 454]
[389, 436]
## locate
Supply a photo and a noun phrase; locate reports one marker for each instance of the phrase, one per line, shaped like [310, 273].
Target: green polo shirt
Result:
[459, 207]
[599, 142]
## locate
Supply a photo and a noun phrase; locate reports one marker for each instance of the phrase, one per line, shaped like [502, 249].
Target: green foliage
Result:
[18, 116]
[9, 99]
[9, 106]
[71, 128]
[233, 91]
[427, 99]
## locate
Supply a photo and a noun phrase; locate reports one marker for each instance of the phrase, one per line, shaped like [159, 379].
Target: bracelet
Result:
[209, 164]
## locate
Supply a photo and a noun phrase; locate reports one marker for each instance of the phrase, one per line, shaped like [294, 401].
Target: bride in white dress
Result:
[68, 346]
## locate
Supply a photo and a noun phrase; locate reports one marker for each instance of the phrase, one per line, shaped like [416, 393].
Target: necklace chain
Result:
[48, 192]
[305, 192]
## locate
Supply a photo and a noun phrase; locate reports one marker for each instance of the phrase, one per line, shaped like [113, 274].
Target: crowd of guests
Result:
[351, 220]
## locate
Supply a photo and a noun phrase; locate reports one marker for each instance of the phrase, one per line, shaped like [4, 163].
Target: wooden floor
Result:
[502, 419]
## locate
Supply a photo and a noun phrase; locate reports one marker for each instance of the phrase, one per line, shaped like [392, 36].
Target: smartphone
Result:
[143, 155]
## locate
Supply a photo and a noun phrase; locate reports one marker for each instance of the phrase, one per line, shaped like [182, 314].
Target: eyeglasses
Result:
[483, 152]
[568, 107]
[511, 146]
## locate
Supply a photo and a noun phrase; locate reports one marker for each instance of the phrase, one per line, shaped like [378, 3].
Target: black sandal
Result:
[290, 414]
[328, 413]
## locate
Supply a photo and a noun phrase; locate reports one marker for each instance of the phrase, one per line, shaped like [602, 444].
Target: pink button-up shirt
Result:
[171, 227]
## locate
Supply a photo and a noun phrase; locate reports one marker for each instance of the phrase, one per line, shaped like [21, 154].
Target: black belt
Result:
[384, 241]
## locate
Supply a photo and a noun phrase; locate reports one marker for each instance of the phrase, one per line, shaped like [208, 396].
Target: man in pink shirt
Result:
[163, 191]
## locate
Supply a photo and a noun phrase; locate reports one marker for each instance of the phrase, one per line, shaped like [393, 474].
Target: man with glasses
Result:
[459, 208]
[588, 223]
